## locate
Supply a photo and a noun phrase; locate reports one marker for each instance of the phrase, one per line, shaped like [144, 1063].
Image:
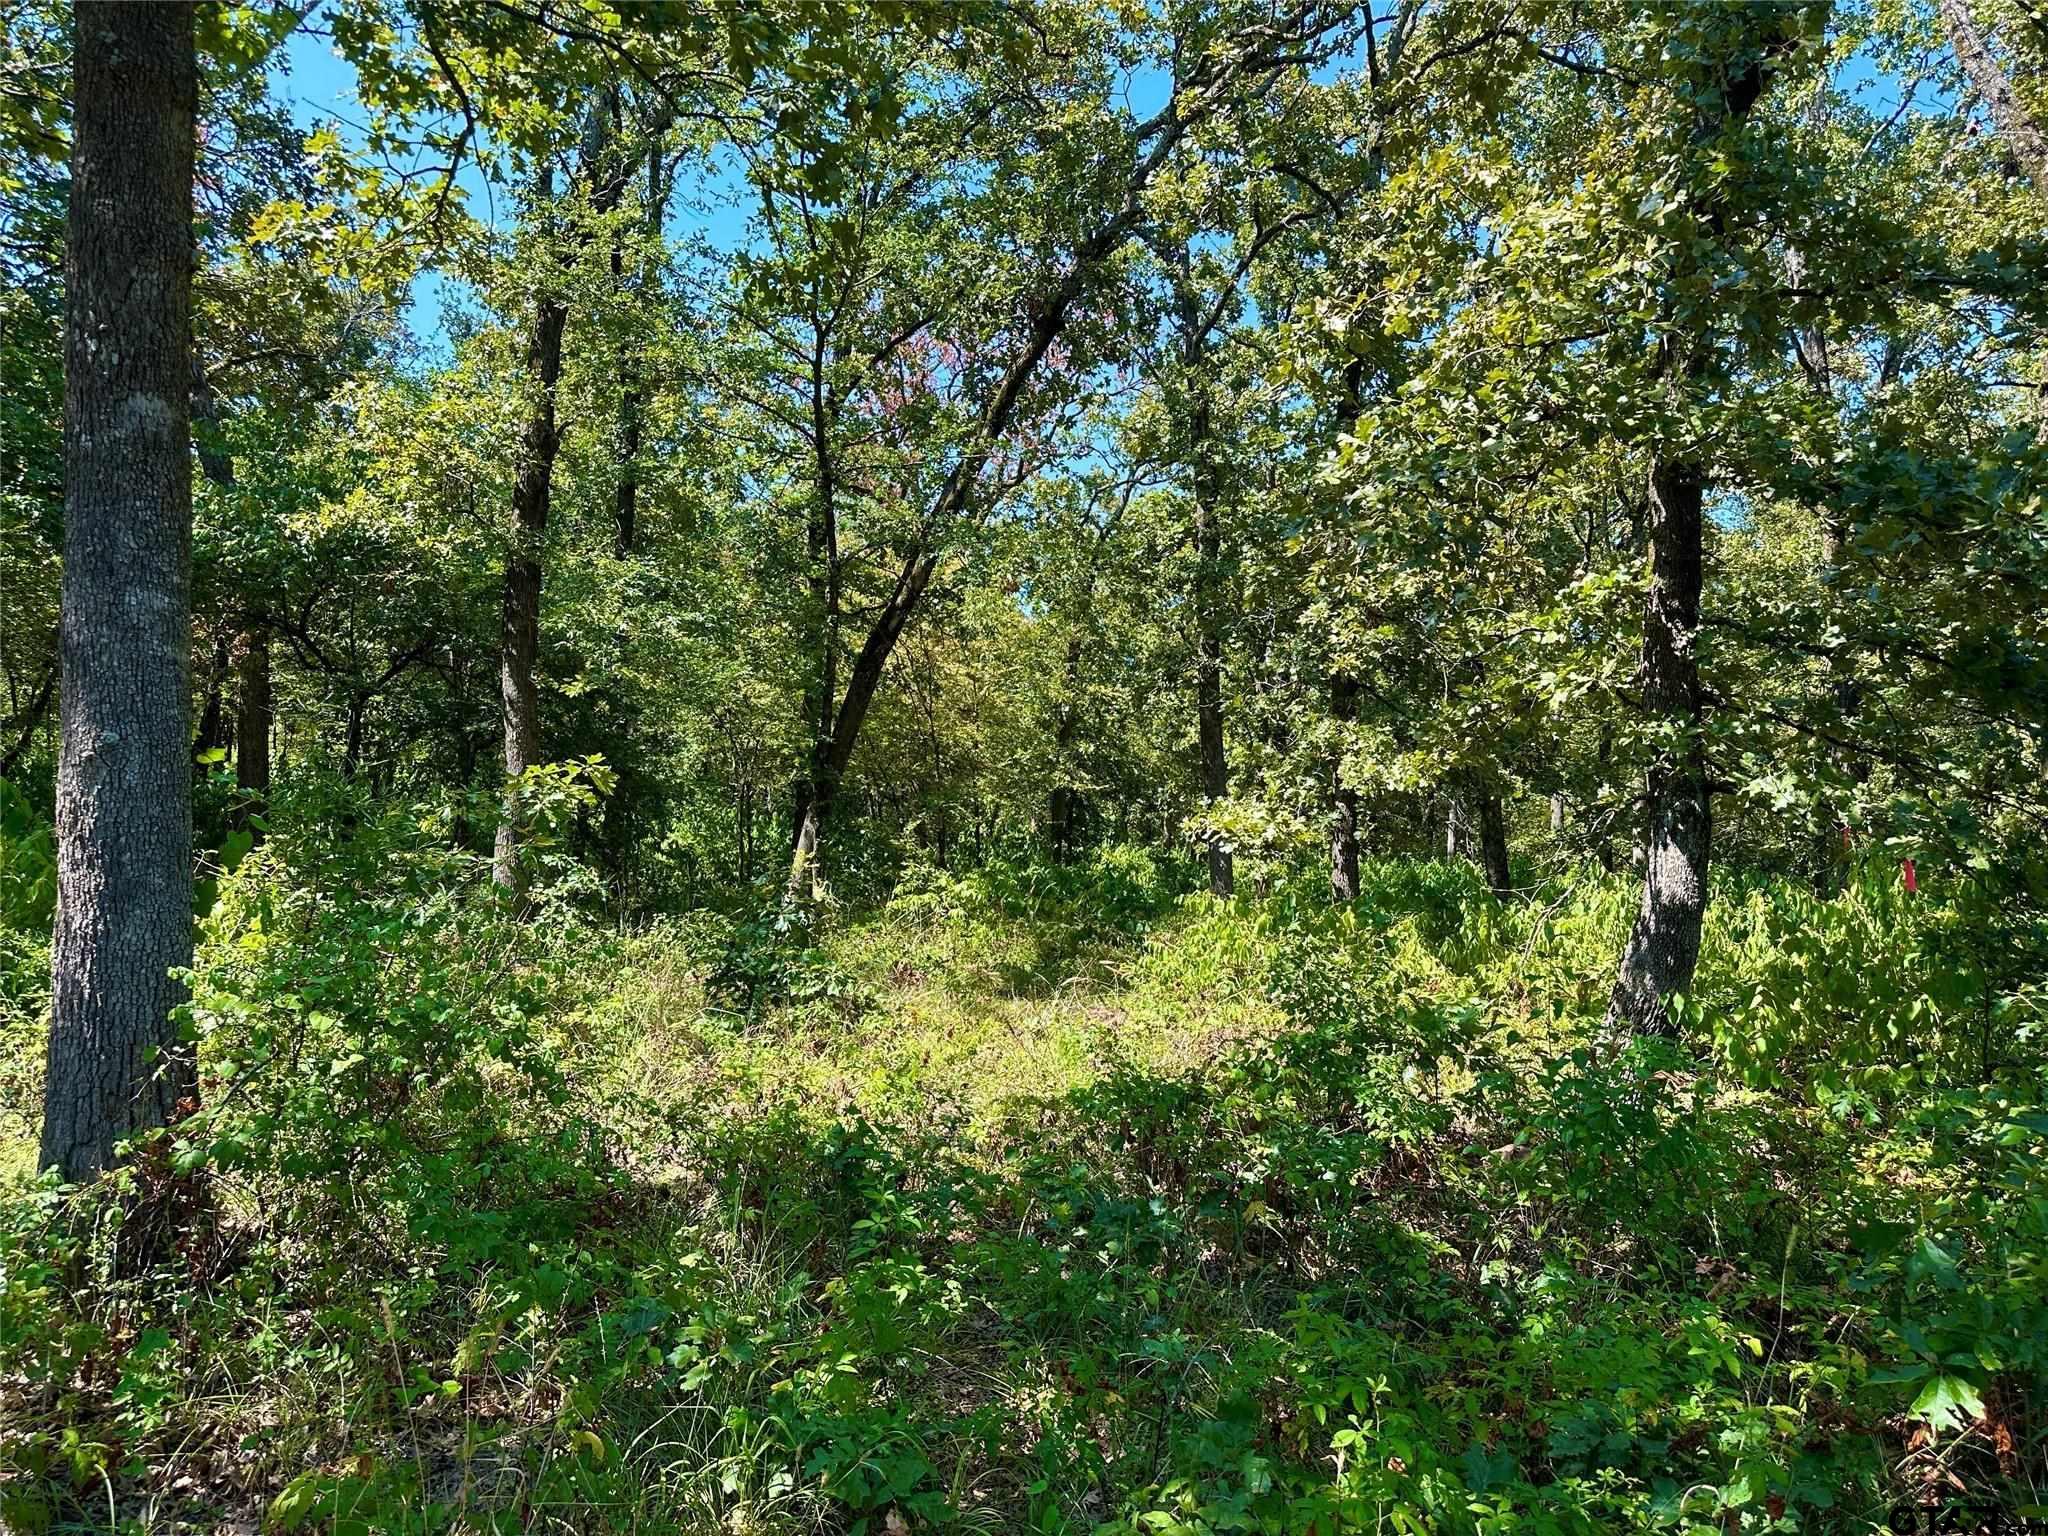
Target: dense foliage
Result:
[1050, 1197]
[925, 738]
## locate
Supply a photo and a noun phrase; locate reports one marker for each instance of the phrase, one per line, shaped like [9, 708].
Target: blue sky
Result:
[321, 88]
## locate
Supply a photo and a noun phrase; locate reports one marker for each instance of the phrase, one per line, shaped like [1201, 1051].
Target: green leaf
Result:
[291, 1508]
[1949, 1402]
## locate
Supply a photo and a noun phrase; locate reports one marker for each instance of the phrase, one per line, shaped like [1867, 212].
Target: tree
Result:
[2014, 118]
[603, 169]
[1664, 945]
[124, 919]
[1225, 63]
[1196, 321]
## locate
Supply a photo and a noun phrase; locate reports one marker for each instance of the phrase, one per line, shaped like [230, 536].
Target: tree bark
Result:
[1603, 848]
[633, 397]
[352, 737]
[1476, 828]
[1205, 485]
[1063, 807]
[821, 549]
[832, 754]
[605, 176]
[251, 663]
[219, 467]
[626, 498]
[124, 806]
[1493, 843]
[1343, 798]
[1209, 656]
[2025, 139]
[249, 652]
[519, 628]
[1817, 362]
[1664, 946]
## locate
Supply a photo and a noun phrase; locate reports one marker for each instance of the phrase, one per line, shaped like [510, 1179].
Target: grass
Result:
[1057, 1200]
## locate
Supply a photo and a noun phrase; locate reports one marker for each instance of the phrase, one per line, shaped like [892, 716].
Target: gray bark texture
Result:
[124, 810]
[2025, 139]
[1664, 946]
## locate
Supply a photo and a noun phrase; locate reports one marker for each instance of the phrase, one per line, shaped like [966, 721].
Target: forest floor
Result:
[1053, 1200]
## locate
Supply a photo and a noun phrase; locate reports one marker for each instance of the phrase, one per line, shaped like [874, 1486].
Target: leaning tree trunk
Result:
[26, 722]
[1664, 946]
[519, 631]
[2025, 138]
[832, 755]
[124, 800]
[956, 493]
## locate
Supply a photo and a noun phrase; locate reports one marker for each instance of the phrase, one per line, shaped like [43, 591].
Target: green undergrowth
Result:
[1061, 1200]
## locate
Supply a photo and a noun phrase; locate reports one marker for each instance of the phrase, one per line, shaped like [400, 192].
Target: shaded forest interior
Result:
[866, 766]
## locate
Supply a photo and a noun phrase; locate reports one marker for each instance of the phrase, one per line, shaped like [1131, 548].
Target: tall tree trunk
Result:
[1209, 572]
[1209, 669]
[1493, 842]
[1059, 822]
[1817, 362]
[1603, 849]
[633, 397]
[2025, 139]
[124, 801]
[352, 738]
[1064, 806]
[248, 660]
[218, 467]
[605, 175]
[626, 497]
[251, 663]
[212, 735]
[1343, 798]
[821, 549]
[519, 630]
[1664, 946]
